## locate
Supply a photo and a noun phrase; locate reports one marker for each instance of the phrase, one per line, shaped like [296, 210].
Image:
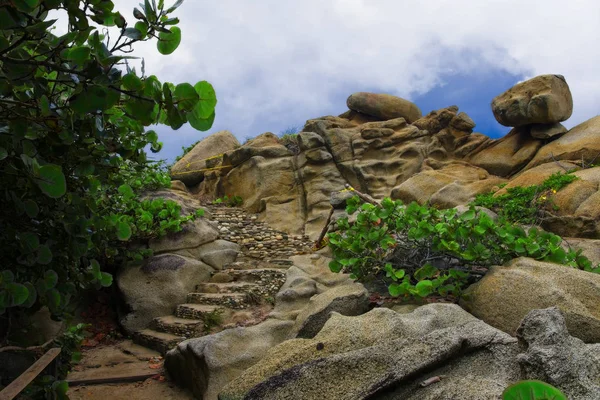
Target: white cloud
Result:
[282, 62]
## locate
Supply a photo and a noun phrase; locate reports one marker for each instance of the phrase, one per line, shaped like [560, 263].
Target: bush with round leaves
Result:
[421, 251]
[73, 128]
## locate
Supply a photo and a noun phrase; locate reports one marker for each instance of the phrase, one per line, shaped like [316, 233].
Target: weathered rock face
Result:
[386, 355]
[545, 99]
[383, 106]
[190, 169]
[384, 147]
[303, 305]
[156, 287]
[582, 142]
[507, 293]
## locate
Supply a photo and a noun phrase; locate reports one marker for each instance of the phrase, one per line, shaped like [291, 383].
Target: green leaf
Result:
[18, 293]
[31, 295]
[45, 105]
[532, 390]
[29, 240]
[95, 269]
[132, 82]
[185, 96]
[53, 299]
[142, 27]
[106, 279]
[208, 100]
[44, 255]
[3, 153]
[6, 277]
[126, 191]
[50, 279]
[168, 42]
[174, 6]
[424, 288]
[123, 231]
[52, 181]
[80, 55]
[31, 208]
[200, 124]
[94, 98]
[468, 215]
[426, 271]
[26, 5]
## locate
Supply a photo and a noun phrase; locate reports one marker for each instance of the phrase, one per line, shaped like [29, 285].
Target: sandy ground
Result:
[117, 361]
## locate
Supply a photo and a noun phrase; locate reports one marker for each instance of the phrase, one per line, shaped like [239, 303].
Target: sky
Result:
[276, 63]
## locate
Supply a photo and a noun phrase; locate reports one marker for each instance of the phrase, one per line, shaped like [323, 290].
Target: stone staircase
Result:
[241, 294]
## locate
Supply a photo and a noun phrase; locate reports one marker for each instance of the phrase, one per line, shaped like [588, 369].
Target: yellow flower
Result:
[553, 191]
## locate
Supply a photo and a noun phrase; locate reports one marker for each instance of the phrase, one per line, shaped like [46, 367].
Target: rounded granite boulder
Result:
[383, 106]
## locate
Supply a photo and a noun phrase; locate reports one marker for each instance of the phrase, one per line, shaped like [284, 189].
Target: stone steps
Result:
[178, 326]
[197, 311]
[159, 341]
[234, 301]
[231, 287]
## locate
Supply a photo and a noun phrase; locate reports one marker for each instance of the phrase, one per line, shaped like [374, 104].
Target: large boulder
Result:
[383, 106]
[525, 284]
[545, 99]
[155, 288]
[191, 168]
[436, 352]
[580, 143]
[364, 356]
[193, 234]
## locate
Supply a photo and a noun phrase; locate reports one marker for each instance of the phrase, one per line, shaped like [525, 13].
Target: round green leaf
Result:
[168, 42]
[6, 277]
[126, 191]
[106, 279]
[208, 99]
[185, 96]
[532, 390]
[26, 5]
[53, 299]
[199, 123]
[95, 268]
[424, 288]
[18, 293]
[132, 82]
[32, 295]
[142, 27]
[29, 240]
[44, 255]
[50, 279]
[3, 153]
[52, 181]
[123, 231]
[31, 208]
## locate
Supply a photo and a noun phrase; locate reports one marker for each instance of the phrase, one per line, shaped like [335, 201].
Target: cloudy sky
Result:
[276, 63]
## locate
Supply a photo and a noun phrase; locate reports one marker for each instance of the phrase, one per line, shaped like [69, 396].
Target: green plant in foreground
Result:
[523, 204]
[73, 119]
[532, 390]
[229, 201]
[212, 319]
[420, 251]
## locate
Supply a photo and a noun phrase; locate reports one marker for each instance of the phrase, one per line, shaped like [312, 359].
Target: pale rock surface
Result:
[190, 169]
[155, 288]
[525, 284]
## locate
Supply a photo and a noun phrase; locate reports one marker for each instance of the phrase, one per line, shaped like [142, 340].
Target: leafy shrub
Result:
[73, 118]
[524, 204]
[420, 250]
[229, 201]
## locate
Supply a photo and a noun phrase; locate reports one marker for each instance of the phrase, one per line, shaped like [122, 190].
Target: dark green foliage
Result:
[532, 390]
[229, 201]
[73, 118]
[420, 250]
[524, 204]
[212, 319]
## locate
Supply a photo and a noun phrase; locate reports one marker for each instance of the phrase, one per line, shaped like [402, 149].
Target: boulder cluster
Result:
[523, 320]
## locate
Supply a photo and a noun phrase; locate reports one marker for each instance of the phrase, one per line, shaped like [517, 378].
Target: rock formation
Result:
[384, 147]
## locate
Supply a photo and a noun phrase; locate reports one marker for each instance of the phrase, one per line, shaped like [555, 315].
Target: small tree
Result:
[73, 118]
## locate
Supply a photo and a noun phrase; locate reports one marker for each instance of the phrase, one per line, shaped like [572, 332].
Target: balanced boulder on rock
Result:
[383, 106]
[545, 99]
